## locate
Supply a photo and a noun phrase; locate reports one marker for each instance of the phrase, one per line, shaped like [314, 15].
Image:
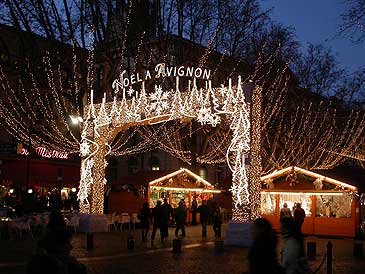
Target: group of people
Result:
[265, 244]
[298, 215]
[163, 214]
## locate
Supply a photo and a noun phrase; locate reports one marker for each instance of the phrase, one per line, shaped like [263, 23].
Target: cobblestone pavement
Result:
[197, 260]
[110, 255]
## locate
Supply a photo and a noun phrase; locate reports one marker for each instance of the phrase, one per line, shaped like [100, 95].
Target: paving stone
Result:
[110, 255]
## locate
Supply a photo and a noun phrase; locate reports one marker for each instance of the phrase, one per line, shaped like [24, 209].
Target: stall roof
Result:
[279, 173]
[199, 184]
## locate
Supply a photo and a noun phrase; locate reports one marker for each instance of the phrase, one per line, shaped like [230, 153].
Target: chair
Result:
[134, 220]
[111, 221]
[74, 223]
[19, 225]
[125, 219]
[37, 224]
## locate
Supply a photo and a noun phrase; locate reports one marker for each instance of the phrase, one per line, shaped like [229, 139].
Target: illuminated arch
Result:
[102, 122]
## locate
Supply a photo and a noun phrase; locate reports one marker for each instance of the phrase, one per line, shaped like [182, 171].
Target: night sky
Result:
[317, 21]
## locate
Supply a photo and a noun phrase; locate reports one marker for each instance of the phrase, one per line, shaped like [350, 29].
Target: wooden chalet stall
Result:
[328, 203]
[178, 185]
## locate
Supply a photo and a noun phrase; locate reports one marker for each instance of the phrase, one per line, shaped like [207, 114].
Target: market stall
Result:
[329, 204]
[180, 185]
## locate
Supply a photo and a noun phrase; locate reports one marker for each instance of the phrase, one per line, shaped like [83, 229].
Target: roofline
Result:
[309, 173]
[168, 176]
[304, 191]
[188, 189]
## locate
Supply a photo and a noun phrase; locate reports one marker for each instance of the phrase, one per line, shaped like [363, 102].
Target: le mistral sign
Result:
[45, 153]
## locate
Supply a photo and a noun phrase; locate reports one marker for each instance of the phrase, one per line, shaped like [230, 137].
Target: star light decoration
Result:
[84, 148]
[159, 101]
[206, 105]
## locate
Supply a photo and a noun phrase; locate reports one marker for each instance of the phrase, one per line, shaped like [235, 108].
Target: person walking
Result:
[262, 256]
[165, 217]
[204, 216]
[145, 218]
[299, 215]
[194, 208]
[217, 223]
[157, 217]
[180, 217]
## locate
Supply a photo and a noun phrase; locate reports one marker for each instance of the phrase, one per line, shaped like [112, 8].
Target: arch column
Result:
[245, 159]
[97, 188]
[255, 167]
[93, 178]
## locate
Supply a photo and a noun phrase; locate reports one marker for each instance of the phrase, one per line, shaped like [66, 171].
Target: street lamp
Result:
[76, 119]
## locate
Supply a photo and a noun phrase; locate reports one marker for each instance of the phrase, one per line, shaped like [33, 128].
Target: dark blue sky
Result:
[317, 21]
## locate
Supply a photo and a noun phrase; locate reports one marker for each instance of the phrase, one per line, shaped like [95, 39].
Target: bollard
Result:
[130, 243]
[90, 240]
[176, 246]
[329, 257]
[358, 250]
[311, 249]
[218, 247]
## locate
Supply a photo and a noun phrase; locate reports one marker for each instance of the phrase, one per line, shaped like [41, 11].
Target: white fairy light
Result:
[159, 101]
[84, 148]
[159, 106]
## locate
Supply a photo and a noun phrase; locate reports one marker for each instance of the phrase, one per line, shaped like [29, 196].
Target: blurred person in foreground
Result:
[55, 249]
[262, 256]
[293, 259]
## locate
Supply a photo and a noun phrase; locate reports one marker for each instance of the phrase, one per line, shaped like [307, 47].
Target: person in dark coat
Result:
[299, 215]
[180, 217]
[285, 212]
[194, 209]
[217, 223]
[262, 256]
[145, 217]
[204, 216]
[166, 214]
[157, 217]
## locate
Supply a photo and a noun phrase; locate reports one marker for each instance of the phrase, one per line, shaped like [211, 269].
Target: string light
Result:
[141, 109]
[325, 145]
[53, 131]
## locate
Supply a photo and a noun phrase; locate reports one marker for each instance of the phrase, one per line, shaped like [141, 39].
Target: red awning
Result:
[41, 172]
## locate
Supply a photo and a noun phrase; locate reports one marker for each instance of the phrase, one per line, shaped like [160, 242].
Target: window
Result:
[203, 173]
[155, 163]
[292, 198]
[268, 203]
[132, 165]
[218, 176]
[334, 206]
